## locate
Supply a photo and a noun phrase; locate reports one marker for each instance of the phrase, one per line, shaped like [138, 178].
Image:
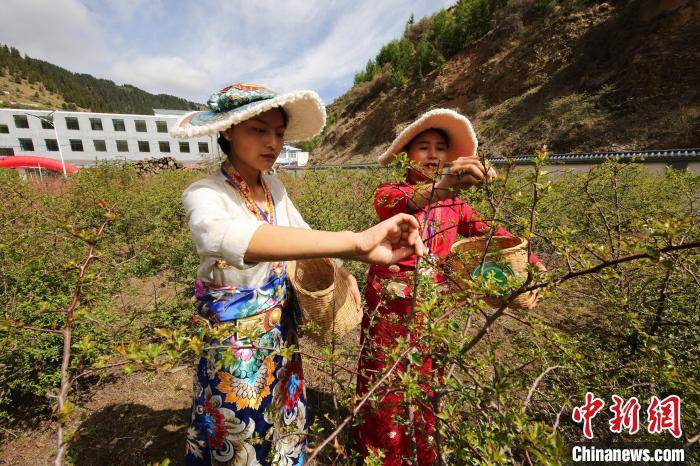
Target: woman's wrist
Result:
[349, 241]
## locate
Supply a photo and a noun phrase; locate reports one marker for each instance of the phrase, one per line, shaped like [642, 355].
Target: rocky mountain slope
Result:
[618, 76]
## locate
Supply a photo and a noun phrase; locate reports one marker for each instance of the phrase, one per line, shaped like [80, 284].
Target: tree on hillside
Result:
[425, 46]
[427, 57]
[399, 55]
[84, 90]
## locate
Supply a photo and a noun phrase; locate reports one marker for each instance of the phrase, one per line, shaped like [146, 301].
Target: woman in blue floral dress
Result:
[249, 405]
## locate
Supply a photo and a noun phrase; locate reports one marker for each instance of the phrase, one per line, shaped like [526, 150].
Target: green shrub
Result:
[149, 238]
[630, 329]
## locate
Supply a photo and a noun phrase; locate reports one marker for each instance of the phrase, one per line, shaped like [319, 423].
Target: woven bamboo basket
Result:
[324, 298]
[506, 254]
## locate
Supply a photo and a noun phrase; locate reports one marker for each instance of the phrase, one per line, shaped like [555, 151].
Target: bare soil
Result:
[141, 418]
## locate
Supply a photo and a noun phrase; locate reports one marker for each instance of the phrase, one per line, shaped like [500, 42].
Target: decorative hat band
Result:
[238, 94]
[238, 102]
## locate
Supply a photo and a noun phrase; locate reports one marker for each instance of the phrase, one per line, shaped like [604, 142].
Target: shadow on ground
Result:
[126, 434]
[134, 434]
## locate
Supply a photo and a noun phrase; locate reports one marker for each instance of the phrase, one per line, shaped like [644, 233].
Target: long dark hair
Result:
[226, 145]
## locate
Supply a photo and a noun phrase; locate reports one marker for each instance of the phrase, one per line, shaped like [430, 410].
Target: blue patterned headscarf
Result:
[237, 95]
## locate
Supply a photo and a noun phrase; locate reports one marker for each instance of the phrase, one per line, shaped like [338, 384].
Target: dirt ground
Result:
[141, 418]
[136, 419]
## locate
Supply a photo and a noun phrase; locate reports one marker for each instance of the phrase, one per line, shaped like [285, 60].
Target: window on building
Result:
[7, 151]
[185, 147]
[164, 146]
[76, 145]
[161, 126]
[100, 145]
[140, 126]
[72, 123]
[203, 147]
[26, 144]
[21, 121]
[144, 147]
[122, 145]
[51, 145]
[4, 129]
[96, 124]
[46, 124]
[118, 125]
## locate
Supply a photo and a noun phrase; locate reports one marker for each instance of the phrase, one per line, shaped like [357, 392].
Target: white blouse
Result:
[222, 228]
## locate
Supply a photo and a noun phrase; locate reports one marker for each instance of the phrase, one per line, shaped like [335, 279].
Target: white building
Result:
[86, 137]
[292, 156]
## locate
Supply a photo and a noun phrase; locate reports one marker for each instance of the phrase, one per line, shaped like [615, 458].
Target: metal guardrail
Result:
[649, 156]
[645, 156]
[329, 166]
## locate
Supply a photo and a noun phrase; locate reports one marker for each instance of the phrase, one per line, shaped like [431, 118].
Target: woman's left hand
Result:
[388, 242]
[533, 299]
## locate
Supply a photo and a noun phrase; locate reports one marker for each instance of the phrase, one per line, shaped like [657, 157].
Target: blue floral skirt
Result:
[249, 405]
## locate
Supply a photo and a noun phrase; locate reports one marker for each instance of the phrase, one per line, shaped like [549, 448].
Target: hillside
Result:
[602, 76]
[26, 82]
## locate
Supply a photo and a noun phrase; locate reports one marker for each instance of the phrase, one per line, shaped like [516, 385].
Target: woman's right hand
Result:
[390, 241]
[465, 172]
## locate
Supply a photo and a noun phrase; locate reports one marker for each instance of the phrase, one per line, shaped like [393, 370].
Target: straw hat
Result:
[463, 141]
[324, 298]
[239, 102]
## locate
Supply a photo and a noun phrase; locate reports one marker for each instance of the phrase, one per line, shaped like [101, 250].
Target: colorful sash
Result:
[221, 304]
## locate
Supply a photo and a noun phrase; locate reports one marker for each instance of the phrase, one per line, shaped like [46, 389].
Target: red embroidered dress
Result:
[379, 429]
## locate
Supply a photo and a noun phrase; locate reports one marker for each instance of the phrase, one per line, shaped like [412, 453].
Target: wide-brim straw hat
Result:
[459, 129]
[324, 298]
[239, 102]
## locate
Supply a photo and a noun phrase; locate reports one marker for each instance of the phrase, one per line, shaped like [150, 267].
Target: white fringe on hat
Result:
[459, 129]
[305, 111]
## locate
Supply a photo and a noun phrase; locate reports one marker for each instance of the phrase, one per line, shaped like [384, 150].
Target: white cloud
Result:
[156, 73]
[191, 48]
[352, 40]
[355, 37]
[61, 32]
[126, 10]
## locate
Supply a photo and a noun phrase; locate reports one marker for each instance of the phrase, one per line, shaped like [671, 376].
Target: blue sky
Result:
[191, 48]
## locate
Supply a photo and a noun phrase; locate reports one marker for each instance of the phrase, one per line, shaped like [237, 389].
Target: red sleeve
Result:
[392, 199]
[471, 224]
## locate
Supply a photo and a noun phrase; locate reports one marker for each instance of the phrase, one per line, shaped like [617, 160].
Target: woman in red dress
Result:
[437, 137]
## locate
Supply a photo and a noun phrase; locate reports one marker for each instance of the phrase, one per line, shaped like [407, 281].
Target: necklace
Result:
[235, 180]
[266, 213]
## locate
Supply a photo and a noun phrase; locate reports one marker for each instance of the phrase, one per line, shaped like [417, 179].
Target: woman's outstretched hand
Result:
[465, 172]
[390, 241]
